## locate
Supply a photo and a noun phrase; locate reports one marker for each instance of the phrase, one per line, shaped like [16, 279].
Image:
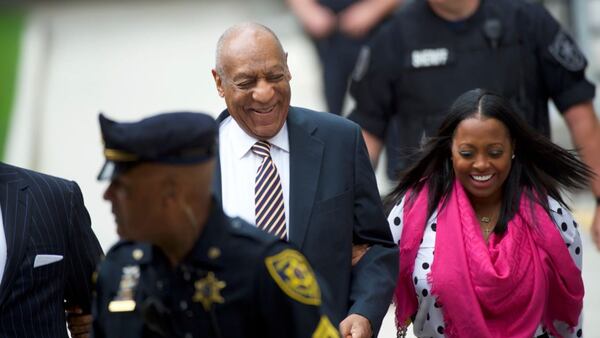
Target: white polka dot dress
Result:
[429, 321]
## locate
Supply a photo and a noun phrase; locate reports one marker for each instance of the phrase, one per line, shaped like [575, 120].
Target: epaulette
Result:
[241, 228]
[128, 252]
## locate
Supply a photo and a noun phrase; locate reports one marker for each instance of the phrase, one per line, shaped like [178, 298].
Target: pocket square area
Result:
[41, 260]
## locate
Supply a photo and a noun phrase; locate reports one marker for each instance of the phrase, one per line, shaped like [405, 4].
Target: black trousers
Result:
[337, 54]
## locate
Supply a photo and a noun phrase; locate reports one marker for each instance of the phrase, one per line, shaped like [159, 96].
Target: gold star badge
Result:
[208, 291]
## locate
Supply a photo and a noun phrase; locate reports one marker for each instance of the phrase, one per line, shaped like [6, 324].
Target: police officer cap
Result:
[170, 138]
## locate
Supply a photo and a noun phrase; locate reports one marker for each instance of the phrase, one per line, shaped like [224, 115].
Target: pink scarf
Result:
[502, 289]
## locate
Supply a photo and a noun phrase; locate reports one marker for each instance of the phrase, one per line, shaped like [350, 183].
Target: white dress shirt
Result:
[239, 165]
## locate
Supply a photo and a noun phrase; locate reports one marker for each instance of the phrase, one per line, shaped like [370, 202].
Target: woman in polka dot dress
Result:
[487, 246]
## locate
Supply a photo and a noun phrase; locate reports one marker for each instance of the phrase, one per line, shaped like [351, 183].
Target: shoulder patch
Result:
[293, 275]
[565, 51]
[362, 63]
[325, 329]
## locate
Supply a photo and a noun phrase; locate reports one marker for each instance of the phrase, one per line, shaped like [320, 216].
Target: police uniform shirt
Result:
[237, 282]
[429, 321]
[419, 63]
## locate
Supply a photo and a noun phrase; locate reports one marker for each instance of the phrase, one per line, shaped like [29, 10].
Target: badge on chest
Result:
[124, 301]
[208, 291]
[429, 57]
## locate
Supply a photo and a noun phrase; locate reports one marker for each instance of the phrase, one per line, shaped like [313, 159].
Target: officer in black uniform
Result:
[200, 274]
[433, 50]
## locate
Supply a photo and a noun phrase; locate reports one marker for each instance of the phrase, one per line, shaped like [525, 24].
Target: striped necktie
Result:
[268, 194]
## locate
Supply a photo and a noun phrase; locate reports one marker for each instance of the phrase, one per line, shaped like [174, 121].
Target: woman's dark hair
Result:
[540, 168]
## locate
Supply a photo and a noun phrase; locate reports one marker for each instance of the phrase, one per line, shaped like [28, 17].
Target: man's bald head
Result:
[252, 75]
[244, 36]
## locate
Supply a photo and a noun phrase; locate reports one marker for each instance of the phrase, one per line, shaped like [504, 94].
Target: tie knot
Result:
[262, 148]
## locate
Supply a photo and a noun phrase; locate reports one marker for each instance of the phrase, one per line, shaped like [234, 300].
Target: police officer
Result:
[434, 50]
[338, 29]
[200, 274]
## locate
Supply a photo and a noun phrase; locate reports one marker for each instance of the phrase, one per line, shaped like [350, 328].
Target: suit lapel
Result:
[306, 154]
[216, 183]
[15, 216]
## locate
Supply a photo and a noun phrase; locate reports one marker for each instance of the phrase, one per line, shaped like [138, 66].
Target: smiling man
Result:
[303, 176]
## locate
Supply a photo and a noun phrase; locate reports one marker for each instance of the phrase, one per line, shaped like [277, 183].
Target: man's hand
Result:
[356, 326]
[318, 21]
[595, 228]
[358, 251]
[359, 18]
[79, 324]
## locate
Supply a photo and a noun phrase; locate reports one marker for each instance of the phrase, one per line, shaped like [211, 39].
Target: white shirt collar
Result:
[242, 142]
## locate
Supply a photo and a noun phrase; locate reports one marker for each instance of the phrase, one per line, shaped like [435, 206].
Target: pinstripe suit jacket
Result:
[43, 215]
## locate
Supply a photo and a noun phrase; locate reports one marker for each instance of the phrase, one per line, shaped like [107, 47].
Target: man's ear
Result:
[218, 82]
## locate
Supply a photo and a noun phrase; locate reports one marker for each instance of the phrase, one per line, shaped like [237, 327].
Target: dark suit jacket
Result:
[43, 215]
[334, 202]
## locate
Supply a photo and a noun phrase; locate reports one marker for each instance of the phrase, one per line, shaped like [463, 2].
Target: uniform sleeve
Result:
[396, 221]
[83, 255]
[373, 278]
[289, 297]
[372, 83]
[568, 229]
[562, 62]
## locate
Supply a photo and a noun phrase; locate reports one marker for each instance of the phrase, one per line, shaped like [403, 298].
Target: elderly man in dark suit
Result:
[48, 253]
[303, 176]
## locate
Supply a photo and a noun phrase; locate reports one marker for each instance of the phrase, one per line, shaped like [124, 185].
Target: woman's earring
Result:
[513, 156]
